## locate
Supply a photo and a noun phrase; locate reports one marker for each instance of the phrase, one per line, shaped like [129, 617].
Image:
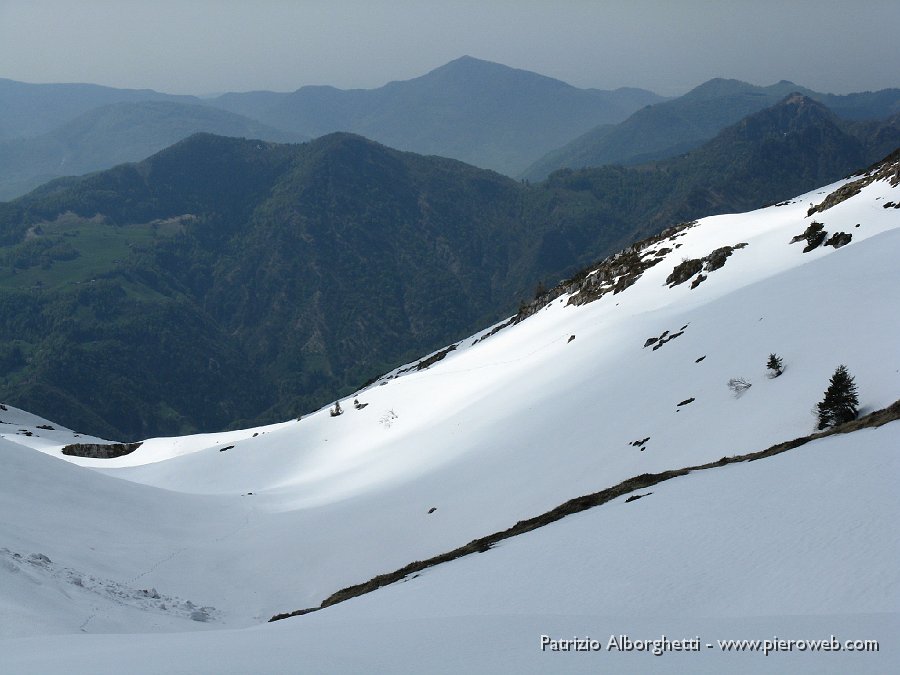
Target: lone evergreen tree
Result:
[840, 403]
[775, 364]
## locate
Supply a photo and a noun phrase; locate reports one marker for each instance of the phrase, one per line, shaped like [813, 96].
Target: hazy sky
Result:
[669, 46]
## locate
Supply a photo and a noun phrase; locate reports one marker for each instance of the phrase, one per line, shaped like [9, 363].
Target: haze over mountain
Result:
[483, 113]
[113, 134]
[301, 271]
[673, 127]
[796, 143]
[589, 471]
[33, 109]
[476, 111]
[764, 158]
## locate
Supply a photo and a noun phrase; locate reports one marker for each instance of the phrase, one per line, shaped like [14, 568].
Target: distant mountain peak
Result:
[798, 99]
[792, 114]
[467, 67]
[466, 58]
[345, 140]
[719, 87]
[467, 61]
[797, 105]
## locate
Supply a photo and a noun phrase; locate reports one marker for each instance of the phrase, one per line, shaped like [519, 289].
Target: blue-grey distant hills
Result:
[30, 110]
[674, 127]
[113, 134]
[482, 113]
[513, 121]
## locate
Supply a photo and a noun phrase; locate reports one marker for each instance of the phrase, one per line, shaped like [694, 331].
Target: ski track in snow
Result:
[197, 546]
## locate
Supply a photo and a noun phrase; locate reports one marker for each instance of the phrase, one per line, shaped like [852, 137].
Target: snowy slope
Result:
[789, 547]
[23, 428]
[228, 529]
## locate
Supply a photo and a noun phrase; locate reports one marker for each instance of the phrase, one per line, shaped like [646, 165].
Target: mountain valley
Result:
[619, 373]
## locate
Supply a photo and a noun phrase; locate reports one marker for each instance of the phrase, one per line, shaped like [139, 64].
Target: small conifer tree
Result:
[841, 402]
[775, 364]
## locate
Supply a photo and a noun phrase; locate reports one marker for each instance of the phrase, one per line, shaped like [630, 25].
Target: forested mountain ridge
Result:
[134, 298]
[112, 134]
[303, 268]
[673, 127]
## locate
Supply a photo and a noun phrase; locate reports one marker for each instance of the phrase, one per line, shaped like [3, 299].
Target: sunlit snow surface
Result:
[802, 545]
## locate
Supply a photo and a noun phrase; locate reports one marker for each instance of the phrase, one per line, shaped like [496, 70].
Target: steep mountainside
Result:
[764, 158]
[302, 271]
[617, 463]
[779, 151]
[295, 270]
[674, 127]
[113, 134]
[479, 112]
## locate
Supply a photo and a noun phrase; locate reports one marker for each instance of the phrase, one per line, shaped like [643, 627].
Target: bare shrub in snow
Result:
[739, 386]
[388, 419]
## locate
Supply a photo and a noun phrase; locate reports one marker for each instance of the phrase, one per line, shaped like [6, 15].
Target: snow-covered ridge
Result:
[507, 425]
[623, 269]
